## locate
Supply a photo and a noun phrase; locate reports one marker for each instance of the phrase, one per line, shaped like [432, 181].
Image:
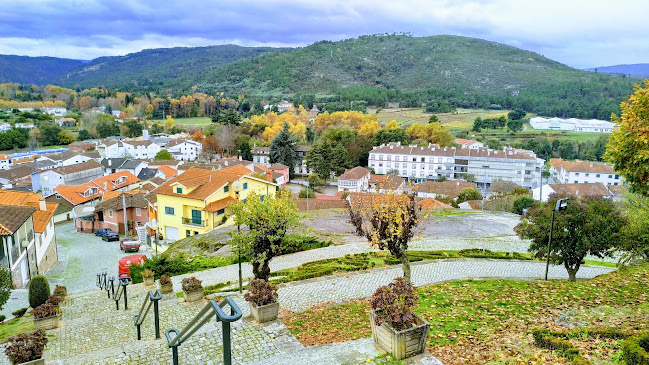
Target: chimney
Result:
[591, 165]
[41, 205]
[269, 176]
[110, 162]
[577, 192]
[145, 134]
[105, 185]
[240, 159]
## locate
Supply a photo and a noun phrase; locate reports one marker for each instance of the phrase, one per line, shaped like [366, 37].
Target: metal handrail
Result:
[152, 297]
[199, 320]
[123, 282]
[101, 280]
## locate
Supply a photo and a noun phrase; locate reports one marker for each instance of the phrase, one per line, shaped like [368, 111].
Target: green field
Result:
[529, 132]
[189, 121]
[460, 119]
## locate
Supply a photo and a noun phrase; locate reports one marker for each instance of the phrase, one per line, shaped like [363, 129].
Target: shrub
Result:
[393, 303]
[19, 312]
[635, 350]
[522, 203]
[39, 291]
[53, 300]
[26, 347]
[191, 284]
[304, 195]
[44, 311]
[261, 292]
[165, 280]
[60, 290]
[2, 318]
[146, 273]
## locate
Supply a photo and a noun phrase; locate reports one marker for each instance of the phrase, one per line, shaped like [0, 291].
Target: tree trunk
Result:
[572, 271]
[405, 263]
[261, 270]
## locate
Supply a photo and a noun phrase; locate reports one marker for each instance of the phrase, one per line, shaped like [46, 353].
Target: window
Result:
[396, 158]
[380, 157]
[576, 182]
[388, 165]
[396, 164]
[138, 211]
[439, 160]
[195, 233]
[226, 189]
[389, 157]
[187, 233]
[414, 159]
[169, 210]
[245, 186]
[597, 175]
[610, 176]
[587, 175]
[422, 159]
[179, 190]
[110, 213]
[617, 177]
[220, 211]
[576, 174]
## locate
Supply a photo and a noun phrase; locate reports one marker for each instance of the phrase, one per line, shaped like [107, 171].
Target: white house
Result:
[572, 172]
[4, 127]
[142, 149]
[577, 190]
[25, 125]
[48, 180]
[573, 124]
[184, 149]
[354, 180]
[5, 161]
[467, 143]
[55, 111]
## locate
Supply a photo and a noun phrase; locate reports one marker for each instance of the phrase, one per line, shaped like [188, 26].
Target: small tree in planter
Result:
[166, 286]
[262, 297]
[55, 302]
[395, 327]
[27, 348]
[39, 291]
[147, 275]
[192, 289]
[45, 317]
[61, 291]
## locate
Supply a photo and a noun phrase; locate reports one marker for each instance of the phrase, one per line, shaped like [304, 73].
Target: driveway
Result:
[81, 257]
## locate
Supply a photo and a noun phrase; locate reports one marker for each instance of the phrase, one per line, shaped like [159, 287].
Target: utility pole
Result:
[124, 210]
[484, 185]
[561, 206]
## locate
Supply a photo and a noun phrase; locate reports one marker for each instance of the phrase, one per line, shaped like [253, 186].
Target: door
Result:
[171, 233]
[196, 216]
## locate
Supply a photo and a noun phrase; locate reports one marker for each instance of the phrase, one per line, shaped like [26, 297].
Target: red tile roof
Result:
[219, 204]
[204, 182]
[115, 180]
[79, 194]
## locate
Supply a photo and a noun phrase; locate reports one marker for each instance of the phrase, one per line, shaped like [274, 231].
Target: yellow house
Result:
[196, 201]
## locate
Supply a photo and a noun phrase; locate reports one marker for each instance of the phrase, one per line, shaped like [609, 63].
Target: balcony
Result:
[195, 222]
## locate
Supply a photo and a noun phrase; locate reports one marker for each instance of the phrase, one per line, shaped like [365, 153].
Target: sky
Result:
[579, 33]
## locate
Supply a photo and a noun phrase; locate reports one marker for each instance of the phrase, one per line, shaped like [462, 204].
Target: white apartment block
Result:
[579, 172]
[184, 149]
[572, 124]
[140, 149]
[486, 165]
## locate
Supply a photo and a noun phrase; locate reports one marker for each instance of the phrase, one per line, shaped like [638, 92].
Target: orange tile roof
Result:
[430, 203]
[12, 217]
[450, 188]
[168, 171]
[74, 193]
[219, 204]
[354, 174]
[111, 194]
[581, 190]
[43, 217]
[108, 182]
[204, 182]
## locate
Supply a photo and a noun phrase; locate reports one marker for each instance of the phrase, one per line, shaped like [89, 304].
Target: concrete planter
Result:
[46, 323]
[166, 289]
[401, 344]
[264, 313]
[193, 296]
[33, 362]
[148, 281]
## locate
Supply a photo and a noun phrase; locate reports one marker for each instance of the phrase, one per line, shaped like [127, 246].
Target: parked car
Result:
[103, 231]
[123, 270]
[130, 245]
[110, 236]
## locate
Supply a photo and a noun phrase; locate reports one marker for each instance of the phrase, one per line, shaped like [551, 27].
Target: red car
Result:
[125, 263]
[130, 245]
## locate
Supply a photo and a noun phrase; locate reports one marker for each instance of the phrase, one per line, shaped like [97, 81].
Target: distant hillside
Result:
[635, 70]
[155, 69]
[33, 70]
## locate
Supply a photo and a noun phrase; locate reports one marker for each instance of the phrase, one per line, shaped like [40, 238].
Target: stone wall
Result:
[51, 257]
[317, 204]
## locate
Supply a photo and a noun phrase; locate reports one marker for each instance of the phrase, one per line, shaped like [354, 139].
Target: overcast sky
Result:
[579, 33]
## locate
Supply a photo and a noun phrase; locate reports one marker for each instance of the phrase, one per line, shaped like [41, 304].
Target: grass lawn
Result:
[16, 326]
[491, 321]
[189, 121]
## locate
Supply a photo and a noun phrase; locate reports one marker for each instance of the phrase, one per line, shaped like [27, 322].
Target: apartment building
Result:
[432, 162]
[142, 149]
[576, 172]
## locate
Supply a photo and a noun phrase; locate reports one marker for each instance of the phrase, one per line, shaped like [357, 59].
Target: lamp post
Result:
[154, 226]
[236, 186]
[484, 184]
[561, 206]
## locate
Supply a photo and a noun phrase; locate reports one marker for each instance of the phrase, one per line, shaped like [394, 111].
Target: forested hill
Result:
[637, 70]
[33, 70]
[157, 69]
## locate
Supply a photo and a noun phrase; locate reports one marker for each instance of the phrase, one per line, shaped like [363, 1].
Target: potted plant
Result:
[147, 275]
[54, 301]
[27, 348]
[262, 298]
[192, 289]
[45, 317]
[166, 286]
[395, 327]
[61, 291]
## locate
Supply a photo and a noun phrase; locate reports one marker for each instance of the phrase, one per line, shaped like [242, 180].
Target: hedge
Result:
[635, 350]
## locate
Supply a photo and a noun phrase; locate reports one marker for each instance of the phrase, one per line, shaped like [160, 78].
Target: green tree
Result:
[588, 226]
[515, 125]
[163, 155]
[244, 151]
[628, 147]
[282, 150]
[107, 128]
[310, 134]
[386, 136]
[6, 285]
[65, 137]
[319, 159]
[635, 242]
[84, 135]
[339, 159]
[39, 291]
[134, 128]
[522, 203]
[468, 194]
[516, 114]
[49, 134]
[268, 219]
[433, 119]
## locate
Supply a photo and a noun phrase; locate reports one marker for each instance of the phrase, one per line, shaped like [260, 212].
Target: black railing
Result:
[121, 290]
[194, 222]
[150, 298]
[210, 310]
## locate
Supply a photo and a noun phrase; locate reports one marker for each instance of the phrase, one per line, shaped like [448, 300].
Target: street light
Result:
[484, 183]
[236, 186]
[561, 205]
[154, 226]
